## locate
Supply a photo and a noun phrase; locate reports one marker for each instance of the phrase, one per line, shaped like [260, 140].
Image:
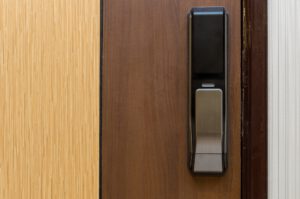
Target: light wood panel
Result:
[283, 99]
[145, 102]
[49, 99]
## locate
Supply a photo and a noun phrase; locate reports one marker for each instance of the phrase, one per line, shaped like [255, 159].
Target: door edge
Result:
[254, 100]
[100, 98]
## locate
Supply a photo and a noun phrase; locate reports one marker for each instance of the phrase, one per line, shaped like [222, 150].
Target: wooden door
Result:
[49, 99]
[145, 97]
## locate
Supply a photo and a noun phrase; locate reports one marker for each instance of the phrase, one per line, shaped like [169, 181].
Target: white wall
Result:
[284, 98]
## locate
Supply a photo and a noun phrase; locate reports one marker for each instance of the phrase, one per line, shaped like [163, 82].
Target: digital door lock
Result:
[208, 90]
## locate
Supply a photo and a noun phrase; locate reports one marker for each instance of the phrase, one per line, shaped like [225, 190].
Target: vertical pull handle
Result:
[209, 130]
[208, 90]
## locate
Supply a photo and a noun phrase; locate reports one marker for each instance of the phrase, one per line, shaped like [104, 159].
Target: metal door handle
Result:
[208, 90]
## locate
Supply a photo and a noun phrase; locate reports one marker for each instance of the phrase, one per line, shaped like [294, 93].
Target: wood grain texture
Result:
[49, 99]
[145, 100]
[254, 108]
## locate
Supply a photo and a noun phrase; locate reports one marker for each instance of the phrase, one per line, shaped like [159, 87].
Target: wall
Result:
[284, 99]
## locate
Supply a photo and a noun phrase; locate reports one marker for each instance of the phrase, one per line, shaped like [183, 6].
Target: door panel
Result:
[145, 102]
[49, 99]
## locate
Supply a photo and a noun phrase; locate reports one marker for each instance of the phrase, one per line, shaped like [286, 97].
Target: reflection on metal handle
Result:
[209, 130]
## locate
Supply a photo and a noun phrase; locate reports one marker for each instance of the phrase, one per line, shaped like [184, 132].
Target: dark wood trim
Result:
[254, 99]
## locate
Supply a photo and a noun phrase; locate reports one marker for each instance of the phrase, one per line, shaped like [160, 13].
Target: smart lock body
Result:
[208, 90]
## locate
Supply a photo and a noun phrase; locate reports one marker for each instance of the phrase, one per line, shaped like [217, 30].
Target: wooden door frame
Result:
[100, 98]
[254, 99]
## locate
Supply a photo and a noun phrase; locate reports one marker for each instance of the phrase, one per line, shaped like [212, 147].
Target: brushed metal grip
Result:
[209, 130]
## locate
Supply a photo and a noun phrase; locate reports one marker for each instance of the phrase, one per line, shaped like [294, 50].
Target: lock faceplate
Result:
[208, 90]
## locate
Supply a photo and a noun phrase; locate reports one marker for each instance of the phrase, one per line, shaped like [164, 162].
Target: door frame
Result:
[254, 144]
[254, 140]
[100, 97]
